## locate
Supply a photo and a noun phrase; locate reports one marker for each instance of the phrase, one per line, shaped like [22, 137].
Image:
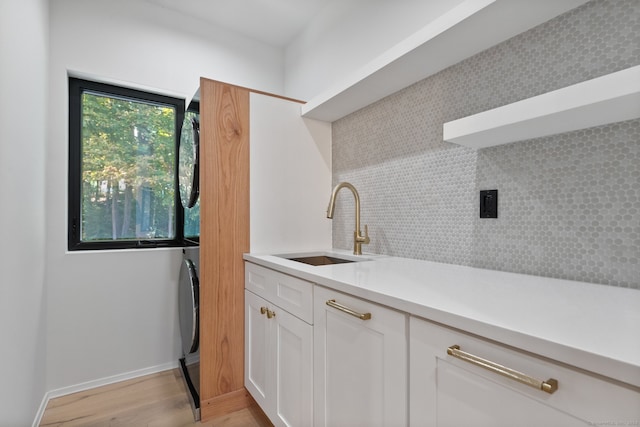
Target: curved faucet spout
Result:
[332, 201]
[358, 238]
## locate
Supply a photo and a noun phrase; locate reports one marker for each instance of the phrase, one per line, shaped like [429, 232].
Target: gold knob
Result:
[263, 310]
[270, 314]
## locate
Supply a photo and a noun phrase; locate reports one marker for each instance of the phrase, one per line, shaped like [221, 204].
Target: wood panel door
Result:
[224, 238]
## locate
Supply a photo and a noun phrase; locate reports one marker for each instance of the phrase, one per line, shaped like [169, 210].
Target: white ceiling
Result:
[276, 22]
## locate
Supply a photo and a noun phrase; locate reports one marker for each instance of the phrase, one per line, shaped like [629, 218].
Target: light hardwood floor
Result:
[157, 400]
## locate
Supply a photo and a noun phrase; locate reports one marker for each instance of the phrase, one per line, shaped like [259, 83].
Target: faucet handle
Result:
[359, 239]
[366, 235]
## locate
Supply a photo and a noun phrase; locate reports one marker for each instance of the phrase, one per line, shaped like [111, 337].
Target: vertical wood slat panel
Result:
[224, 237]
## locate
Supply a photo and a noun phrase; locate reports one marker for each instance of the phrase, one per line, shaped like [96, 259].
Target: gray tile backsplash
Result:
[569, 204]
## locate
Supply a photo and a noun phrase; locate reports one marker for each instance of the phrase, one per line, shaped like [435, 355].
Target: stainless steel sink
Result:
[321, 260]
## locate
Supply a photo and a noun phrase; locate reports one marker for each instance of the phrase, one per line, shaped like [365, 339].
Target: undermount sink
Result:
[321, 260]
[318, 259]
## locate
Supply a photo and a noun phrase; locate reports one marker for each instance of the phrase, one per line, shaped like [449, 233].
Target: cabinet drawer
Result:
[442, 385]
[287, 292]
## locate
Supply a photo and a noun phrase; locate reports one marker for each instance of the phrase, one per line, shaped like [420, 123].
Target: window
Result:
[123, 185]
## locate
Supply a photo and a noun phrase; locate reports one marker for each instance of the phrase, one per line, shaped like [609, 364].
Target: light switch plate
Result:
[488, 203]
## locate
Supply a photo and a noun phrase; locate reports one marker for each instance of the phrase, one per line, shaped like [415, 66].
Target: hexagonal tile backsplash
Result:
[569, 204]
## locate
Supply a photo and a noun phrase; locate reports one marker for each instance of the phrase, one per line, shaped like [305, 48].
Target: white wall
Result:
[23, 81]
[115, 312]
[347, 36]
[290, 178]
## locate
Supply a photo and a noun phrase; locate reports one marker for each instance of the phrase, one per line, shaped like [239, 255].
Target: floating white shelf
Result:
[608, 99]
[467, 29]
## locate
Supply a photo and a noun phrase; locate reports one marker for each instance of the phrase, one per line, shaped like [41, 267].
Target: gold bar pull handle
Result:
[548, 386]
[361, 316]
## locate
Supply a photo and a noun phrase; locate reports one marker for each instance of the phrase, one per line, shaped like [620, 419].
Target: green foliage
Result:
[192, 221]
[128, 169]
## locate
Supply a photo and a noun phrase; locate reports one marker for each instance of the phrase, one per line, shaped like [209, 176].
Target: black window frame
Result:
[77, 87]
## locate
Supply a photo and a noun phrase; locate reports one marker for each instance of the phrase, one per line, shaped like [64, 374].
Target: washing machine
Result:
[189, 313]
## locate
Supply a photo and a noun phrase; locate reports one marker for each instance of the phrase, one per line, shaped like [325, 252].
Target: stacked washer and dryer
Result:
[188, 284]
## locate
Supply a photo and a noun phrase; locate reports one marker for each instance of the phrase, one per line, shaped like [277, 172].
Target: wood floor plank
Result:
[157, 400]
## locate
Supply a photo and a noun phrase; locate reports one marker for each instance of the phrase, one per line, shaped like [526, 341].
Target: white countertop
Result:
[589, 326]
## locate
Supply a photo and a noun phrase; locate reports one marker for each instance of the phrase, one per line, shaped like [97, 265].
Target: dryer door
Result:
[188, 307]
[189, 160]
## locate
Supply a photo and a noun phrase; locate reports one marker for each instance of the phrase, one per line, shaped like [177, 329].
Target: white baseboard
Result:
[40, 413]
[52, 394]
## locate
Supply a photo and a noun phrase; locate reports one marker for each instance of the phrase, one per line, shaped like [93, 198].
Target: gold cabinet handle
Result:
[270, 314]
[361, 316]
[548, 386]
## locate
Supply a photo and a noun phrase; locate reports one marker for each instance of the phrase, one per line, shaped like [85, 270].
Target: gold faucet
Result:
[358, 238]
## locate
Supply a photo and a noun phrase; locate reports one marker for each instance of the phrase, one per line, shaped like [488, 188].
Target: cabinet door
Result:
[360, 366]
[279, 362]
[258, 374]
[447, 391]
[293, 357]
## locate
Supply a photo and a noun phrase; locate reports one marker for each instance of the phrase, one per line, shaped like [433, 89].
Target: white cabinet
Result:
[360, 362]
[319, 357]
[278, 346]
[257, 365]
[448, 391]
